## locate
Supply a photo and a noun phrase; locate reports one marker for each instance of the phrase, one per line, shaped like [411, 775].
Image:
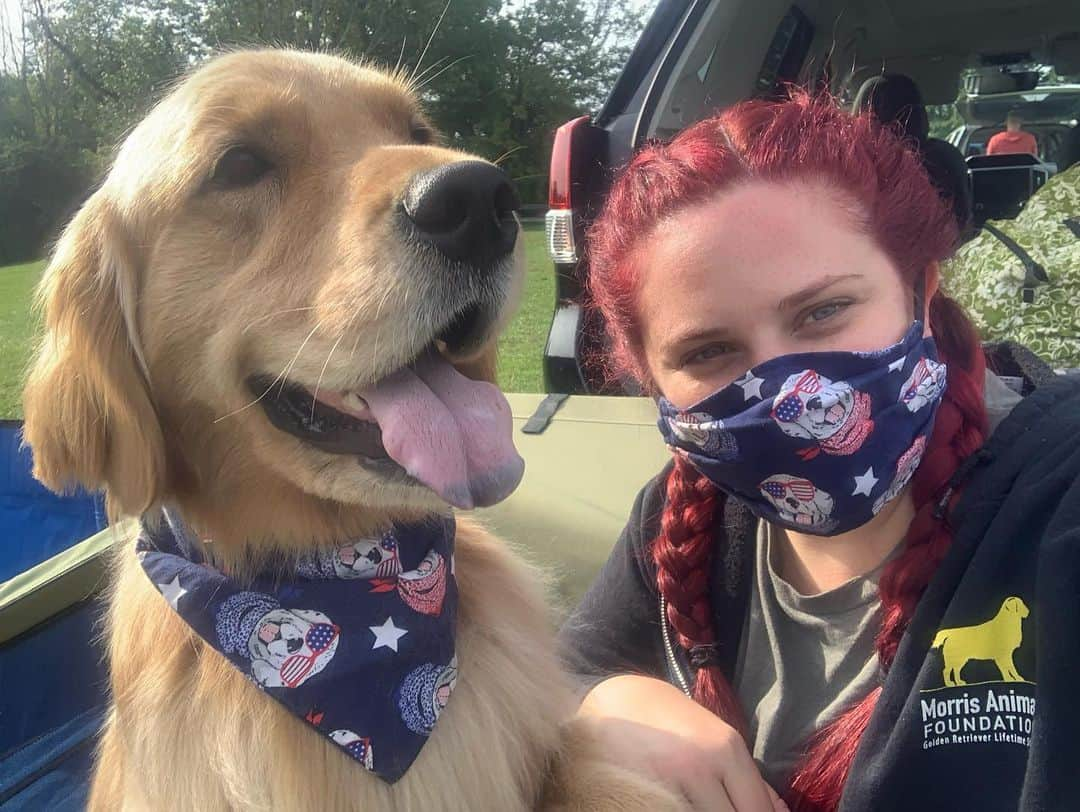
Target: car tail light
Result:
[561, 245]
[561, 242]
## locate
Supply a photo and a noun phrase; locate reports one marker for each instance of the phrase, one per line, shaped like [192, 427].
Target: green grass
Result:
[17, 328]
[520, 351]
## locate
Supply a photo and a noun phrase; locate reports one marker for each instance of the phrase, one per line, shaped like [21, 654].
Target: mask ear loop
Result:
[920, 298]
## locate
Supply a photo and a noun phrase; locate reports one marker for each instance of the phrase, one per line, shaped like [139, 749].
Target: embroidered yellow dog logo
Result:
[996, 640]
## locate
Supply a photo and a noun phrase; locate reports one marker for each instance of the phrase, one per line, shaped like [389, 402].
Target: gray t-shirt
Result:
[804, 659]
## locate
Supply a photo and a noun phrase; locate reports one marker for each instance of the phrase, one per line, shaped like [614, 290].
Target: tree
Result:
[86, 71]
[497, 77]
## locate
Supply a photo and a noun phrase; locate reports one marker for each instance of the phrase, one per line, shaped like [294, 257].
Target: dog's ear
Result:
[89, 416]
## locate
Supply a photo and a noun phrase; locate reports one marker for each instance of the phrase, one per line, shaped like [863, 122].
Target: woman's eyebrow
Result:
[793, 300]
[697, 334]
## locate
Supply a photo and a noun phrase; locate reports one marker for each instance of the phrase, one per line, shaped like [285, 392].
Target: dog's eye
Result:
[238, 167]
[420, 133]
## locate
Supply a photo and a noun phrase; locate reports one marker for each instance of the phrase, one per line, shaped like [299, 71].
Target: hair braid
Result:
[683, 556]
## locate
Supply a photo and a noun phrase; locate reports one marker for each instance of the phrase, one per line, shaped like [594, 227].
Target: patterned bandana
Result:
[816, 442]
[358, 641]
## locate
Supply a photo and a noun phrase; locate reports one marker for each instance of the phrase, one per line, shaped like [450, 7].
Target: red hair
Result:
[803, 138]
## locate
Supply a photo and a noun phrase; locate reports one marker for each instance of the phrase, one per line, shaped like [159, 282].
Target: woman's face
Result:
[761, 270]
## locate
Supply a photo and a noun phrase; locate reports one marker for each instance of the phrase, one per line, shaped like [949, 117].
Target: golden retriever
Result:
[997, 639]
[262, 246]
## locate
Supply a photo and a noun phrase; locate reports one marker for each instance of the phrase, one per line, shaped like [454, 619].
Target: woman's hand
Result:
[651, 726]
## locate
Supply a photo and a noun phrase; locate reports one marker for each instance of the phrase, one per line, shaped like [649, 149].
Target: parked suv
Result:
[696, 56]
[1049, 112]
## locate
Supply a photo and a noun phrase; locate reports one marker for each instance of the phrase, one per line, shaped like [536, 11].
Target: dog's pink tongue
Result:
[452, 433]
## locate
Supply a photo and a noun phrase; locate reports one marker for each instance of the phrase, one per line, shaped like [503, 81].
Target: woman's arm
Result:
[613, 642]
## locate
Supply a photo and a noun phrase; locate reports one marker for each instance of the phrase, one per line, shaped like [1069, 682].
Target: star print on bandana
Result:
[387, 634]
[338, 638]
[172, 591]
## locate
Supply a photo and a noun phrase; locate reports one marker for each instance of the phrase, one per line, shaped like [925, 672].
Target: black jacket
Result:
[1007, 739]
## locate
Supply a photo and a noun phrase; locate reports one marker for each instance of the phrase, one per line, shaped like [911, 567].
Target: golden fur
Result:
[164, 293]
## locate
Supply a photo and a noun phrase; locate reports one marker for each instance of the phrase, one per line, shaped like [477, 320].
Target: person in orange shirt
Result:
[1013, 139]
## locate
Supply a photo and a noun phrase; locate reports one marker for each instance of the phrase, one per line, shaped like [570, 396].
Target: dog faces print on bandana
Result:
[816, 442]
[357, 641]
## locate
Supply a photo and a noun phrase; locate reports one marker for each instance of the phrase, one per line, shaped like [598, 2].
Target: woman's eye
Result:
[826, 311]
[239, 167]
[709, 353]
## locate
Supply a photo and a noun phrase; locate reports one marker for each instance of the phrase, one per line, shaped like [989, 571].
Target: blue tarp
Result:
[52, 677]
[36, 524]
[52, 702]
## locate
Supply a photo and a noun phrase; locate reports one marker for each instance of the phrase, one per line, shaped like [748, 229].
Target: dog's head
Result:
[289, 646]
[273, 298]
[1015, 606]
[810, 406]
[798, 500]
[367, 558]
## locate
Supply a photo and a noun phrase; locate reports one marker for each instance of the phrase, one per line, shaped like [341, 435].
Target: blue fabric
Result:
[816, 442]
[50, 674]
[52, 772]
[357, 641]
[53, 696]
[36, 524]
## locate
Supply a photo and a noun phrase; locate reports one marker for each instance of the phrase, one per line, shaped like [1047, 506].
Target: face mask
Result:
[816, 442]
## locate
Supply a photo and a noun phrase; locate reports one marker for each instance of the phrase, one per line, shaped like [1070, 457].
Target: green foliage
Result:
[944, 118]
[497, 77]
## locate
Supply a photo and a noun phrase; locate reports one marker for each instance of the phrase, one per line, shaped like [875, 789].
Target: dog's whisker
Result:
[431, 79]
[288, 368]
[247, 406]
[281, 377]
[440, 61]
[507, 154]
[318, 383]
[401, 56]
[348, 326]
[434, 31]
[275, 313]
[378, 311]
[356, 338]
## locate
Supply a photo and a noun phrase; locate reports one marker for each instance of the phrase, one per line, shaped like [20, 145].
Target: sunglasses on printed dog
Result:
[790, 408]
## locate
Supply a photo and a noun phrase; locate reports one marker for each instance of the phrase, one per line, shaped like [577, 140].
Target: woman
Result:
[855, 580]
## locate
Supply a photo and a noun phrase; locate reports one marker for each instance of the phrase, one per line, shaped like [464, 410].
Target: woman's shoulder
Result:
[1037, 449]
[1050, 413]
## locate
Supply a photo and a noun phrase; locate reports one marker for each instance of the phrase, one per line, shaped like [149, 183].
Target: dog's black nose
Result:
[465, 210]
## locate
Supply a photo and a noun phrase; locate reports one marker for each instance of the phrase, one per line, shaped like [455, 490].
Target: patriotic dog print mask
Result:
[816, 442]
[357, 641]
